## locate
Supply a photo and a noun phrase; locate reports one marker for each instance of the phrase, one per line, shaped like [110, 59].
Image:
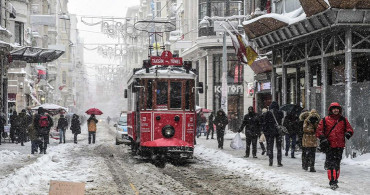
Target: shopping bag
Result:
[237, 142]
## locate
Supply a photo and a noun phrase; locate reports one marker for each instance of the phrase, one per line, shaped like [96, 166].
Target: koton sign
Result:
[166, 59]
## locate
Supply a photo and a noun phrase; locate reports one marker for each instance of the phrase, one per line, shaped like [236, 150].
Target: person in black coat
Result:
[2, 124]
[291, 122]
[14, 126]
[210, 126]
[41, 130]
[220, 121]
[271, 132]
[252, 131]
[62, 127]
[75, 126]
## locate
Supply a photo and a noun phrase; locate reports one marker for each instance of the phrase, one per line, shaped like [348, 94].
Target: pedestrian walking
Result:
[199, 124]
[22, 128]
[252, 131]
[75, 127]
[108, 119]
[62, 127]
[332, 130]
[262, 137]
[42, 124]
[91, 125]
[309, 140]
[210, 126]
[272, 133]
[220, 121]
[303, 115]
[14, 126]
[291, 123]
[2, 124]
[35, 140]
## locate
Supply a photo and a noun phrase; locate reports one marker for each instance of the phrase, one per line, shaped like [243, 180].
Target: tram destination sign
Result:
[166, 59]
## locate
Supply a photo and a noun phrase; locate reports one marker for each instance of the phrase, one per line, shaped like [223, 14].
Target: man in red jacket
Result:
[334, 128]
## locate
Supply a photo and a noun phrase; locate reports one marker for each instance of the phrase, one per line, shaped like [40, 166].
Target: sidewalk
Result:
[354, 177]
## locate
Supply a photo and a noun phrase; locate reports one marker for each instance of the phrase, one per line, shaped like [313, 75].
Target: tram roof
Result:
[165, 72]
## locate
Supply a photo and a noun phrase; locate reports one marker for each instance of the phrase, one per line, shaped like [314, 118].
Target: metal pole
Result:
[224, 76]
[348, 70]
[324, 80]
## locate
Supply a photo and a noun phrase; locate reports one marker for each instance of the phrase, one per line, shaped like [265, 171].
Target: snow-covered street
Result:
[110, 169]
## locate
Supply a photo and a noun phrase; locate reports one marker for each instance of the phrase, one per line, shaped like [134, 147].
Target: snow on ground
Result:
[291, 177]
[57, 164]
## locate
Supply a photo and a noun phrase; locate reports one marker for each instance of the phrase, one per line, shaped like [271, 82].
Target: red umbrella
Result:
[94, 111]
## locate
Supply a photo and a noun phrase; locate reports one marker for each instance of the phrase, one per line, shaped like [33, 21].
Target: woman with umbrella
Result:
[91, 123]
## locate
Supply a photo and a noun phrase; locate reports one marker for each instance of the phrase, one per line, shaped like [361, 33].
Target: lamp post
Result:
[219, 26]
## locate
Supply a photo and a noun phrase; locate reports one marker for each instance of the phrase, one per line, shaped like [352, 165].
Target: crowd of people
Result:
[306, 129]
[36, 127]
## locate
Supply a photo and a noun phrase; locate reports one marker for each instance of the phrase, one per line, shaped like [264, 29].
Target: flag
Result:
[245, 53]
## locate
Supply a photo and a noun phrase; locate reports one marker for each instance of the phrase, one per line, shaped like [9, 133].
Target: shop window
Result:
[218, 9]
[158, 9]
[235, 8]
[18, 32]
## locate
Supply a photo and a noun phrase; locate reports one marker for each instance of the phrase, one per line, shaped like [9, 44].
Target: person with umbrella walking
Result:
[91, 125]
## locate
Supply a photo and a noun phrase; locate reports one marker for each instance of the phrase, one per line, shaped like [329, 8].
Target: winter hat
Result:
[24, 110]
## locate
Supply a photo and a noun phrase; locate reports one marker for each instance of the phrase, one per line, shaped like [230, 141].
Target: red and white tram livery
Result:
[161, 108]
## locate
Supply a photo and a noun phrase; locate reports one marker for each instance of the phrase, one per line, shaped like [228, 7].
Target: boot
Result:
[270, 162]
[279, 164]
[312, 169]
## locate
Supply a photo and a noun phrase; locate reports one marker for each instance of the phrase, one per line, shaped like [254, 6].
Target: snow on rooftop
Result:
[289, 18]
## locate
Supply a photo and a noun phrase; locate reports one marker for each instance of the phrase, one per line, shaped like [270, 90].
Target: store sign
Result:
[264, 86]
[166, 59]
[232, 89]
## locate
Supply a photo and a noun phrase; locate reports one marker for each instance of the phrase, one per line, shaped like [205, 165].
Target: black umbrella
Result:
[291, 109]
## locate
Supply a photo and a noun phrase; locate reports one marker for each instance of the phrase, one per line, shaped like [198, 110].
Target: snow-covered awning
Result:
[6, 45]
[36, 55]
[352, 4]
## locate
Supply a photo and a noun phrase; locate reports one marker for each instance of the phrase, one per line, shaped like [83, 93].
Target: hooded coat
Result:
[75, 124]
[336, 136]
[309, 129]
[251, 122]
[291, 122]
[221, 120]
[269, 121]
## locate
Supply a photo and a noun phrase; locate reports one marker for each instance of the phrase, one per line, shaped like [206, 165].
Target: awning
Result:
[35, 99]
[261, 66]
[36, 55]
[353, 4]
[312, 7]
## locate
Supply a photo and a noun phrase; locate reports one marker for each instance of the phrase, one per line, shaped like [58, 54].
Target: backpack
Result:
[43, 121]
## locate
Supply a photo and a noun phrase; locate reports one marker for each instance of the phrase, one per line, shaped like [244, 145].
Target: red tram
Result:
[161, 119]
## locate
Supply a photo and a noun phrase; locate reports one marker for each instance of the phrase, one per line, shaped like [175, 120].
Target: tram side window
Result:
[175, 94]
[149, 100]
[187, 95]
[162, 95]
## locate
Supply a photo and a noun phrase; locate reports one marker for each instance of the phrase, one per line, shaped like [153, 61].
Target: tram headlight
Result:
[168, 131]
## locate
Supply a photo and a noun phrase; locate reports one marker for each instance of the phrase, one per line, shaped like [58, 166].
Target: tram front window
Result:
[175, 95]
[162, 95]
